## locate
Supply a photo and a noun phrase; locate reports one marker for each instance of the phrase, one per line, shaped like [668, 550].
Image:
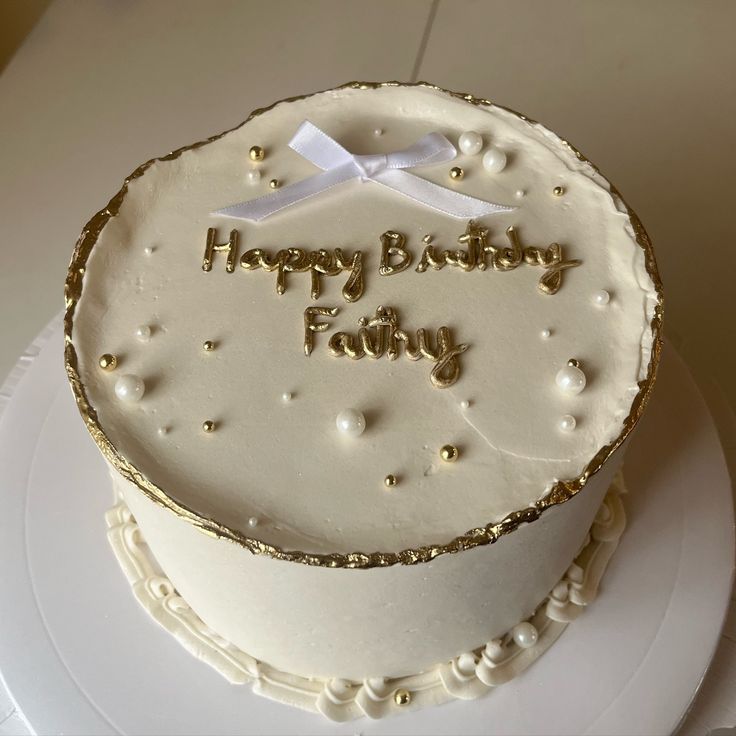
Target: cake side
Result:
[316, 621]
[311, 491]
[469, 675]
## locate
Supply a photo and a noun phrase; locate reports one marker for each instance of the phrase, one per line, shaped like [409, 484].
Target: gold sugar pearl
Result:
[449, 453]
[208, 346]
[256, 153]
[574, 363]
[558, 191]
[208, 426]
[402, 697]
[456, 173]
[108, 362]
[274, 183]
[390, 481]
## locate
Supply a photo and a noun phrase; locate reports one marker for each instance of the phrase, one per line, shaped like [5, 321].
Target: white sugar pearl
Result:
[470, 142]
[253, 176]
[350, 422]
[378, 132]
[567, 423]
[494, 160]
[570, 379]
[286, 396]
[143, 333]
[162, 431]
[148, 250]
[253, 522]
[520, 193]
[464, 404]
[546, 333]
[601, 298]
[525, 635]
[129, 388]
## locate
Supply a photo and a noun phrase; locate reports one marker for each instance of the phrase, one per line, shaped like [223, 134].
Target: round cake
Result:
[362, 368]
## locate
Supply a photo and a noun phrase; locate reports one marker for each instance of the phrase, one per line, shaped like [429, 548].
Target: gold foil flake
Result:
[231, 247]
[392, 244]
[380, 335]
[560, 493]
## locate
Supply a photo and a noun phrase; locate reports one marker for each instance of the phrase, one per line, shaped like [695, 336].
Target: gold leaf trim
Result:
[561, 492]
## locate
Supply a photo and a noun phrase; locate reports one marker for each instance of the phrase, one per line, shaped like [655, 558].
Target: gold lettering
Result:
[380, 335]
[392, 244]
[353, 289]
[212, 247]
[310, 326]
[320, 262]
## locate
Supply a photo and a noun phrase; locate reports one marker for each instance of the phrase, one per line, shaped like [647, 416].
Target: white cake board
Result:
[79, 656]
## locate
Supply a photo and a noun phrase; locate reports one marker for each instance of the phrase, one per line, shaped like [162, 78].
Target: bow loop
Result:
[339, 165]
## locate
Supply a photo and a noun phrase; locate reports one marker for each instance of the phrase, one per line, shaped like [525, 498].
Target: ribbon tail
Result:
[429, 194]
[260, 208]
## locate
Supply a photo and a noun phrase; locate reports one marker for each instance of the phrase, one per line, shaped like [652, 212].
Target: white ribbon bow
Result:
[339, 165]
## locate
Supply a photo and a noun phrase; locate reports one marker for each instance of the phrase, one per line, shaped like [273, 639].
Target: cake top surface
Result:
[573, 280]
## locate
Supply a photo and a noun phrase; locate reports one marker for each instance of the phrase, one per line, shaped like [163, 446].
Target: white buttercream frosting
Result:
[469, 675]
[284, 462]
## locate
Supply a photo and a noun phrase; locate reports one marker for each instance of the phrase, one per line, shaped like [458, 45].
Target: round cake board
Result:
[79, 655]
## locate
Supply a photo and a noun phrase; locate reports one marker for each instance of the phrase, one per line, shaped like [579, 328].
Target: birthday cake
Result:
[363, 370]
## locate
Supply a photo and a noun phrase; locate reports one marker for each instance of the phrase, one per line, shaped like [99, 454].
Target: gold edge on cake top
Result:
[562, 491]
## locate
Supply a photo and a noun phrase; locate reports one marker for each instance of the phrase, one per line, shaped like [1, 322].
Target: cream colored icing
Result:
[284, 463]
[467, 676]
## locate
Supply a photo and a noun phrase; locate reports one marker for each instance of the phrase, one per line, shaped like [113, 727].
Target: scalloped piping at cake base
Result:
[468, 676]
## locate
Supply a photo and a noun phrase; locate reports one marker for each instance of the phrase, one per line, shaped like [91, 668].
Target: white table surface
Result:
[646, 89]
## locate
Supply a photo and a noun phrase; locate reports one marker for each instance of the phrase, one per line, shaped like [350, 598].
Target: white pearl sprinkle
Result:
[143, 333]
[520, 193]
[570, 379]
[470, 142]
[494, 160]
[286, 396]
[350, 422]
[253, 176]
[129, 388]
[546, 333]
[378, 132]
[601, 298]
[525, 635]
[148, 250]
[464, 404]
[567, 423]
[162, 431]
[253, 522]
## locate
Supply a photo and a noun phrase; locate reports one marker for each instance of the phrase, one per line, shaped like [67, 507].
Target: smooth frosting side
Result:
[283, 463]
[470, 675]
